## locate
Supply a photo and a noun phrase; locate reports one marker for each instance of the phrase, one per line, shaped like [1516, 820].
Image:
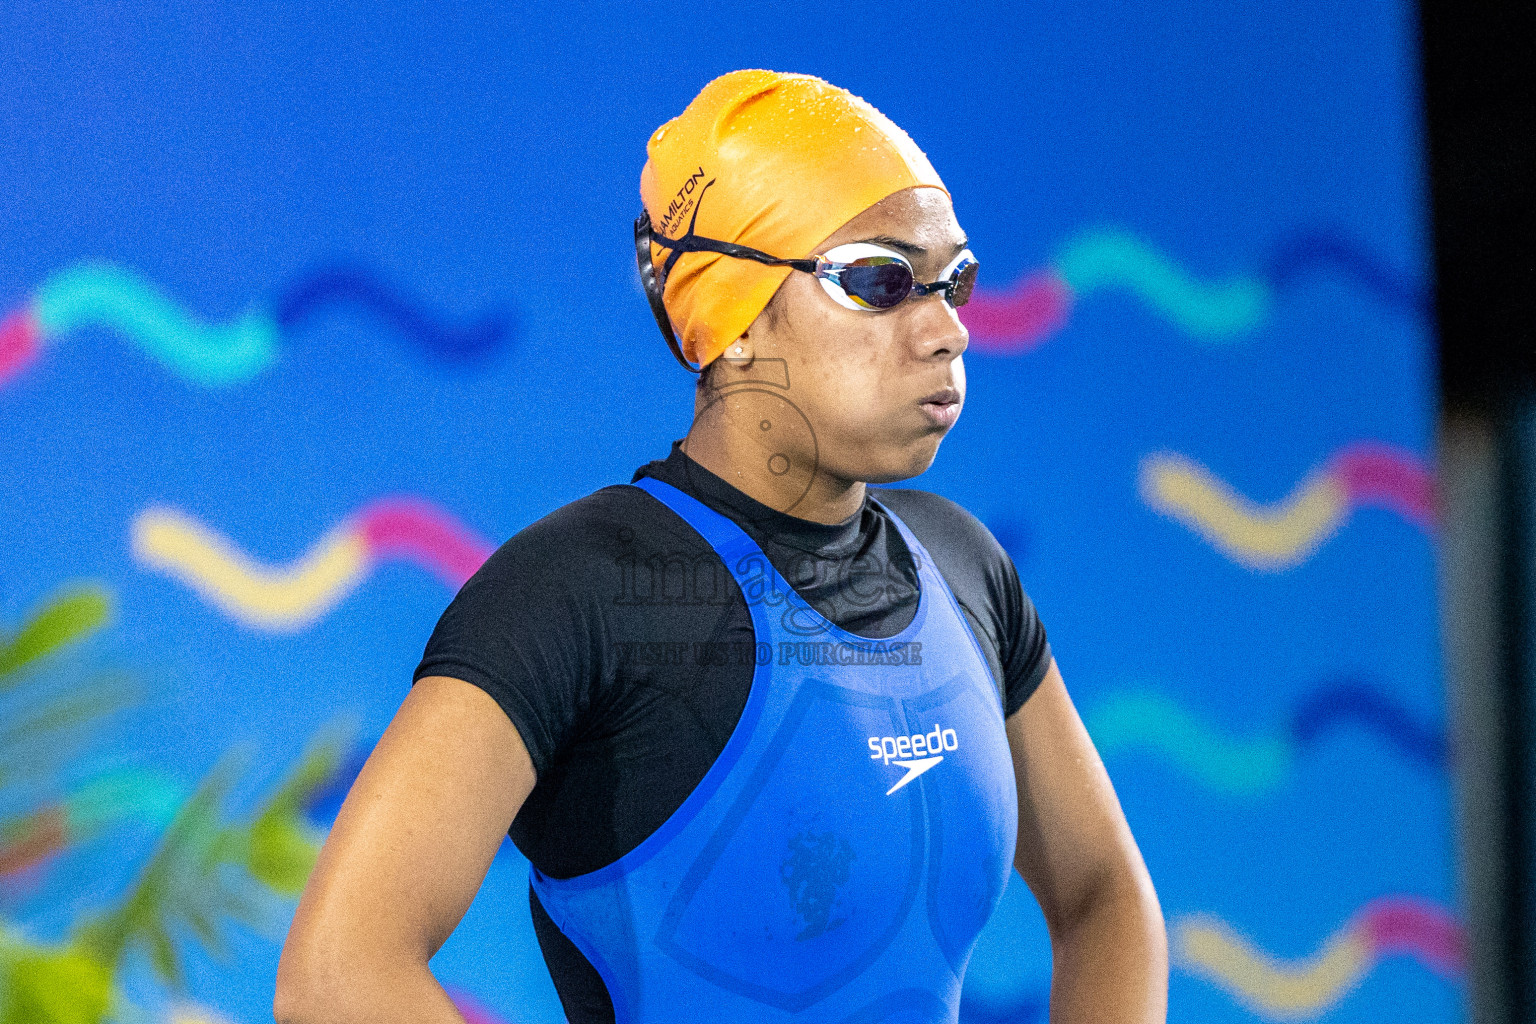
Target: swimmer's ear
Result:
[739, 352]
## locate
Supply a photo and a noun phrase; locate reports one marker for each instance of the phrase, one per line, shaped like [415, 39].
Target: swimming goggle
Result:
[857, 275]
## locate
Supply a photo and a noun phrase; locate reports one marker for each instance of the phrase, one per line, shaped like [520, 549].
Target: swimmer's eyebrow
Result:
[908, 249]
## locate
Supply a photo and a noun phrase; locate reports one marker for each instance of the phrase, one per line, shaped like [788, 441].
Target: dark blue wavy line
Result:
[1326, 248]
[350, 283]
[322, 804]
[1364, 704]
[1025, 1009]
[1014, 535]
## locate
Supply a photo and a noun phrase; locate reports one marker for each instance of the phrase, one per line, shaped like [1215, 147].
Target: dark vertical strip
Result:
[1471, 589]
[1481, 109]
[1480, 106]
[1515, 549]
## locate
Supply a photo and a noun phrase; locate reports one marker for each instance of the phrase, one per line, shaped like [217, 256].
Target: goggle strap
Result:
[653, 288]
[692, 242]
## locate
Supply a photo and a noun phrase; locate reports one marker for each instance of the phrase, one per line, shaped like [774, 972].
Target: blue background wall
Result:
[1275, 731]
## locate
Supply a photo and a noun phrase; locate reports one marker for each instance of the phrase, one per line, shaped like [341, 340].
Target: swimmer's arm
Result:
[1108, 943]
[410, 847]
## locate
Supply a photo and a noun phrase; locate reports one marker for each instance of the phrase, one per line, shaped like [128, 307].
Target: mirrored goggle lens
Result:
[878, 282]
[965, 281]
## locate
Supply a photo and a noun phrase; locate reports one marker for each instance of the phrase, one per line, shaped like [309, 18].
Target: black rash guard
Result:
[618, 645]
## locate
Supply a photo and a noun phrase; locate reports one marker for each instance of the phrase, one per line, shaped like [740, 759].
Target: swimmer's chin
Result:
[914, 460]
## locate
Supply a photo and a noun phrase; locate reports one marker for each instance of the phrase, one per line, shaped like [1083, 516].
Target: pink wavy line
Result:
[1378, 474]
[1401, 924]
[472, 1011]
[405, 527]
[1020, 318]
[19, 337]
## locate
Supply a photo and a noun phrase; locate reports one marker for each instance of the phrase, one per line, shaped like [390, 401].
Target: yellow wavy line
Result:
[1281, 991]
[195, 1015]
[1258, 536]
[285, 598]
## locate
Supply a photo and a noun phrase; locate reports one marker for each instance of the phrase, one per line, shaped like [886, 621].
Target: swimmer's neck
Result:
[720, 443]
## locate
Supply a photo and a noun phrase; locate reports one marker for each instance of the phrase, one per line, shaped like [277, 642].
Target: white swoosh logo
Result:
[914, 769]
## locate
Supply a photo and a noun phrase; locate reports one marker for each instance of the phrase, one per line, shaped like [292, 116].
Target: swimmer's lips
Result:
[943, 406]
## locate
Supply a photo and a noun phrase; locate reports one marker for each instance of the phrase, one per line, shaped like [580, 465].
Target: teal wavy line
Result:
[129, 793]
[98, 293]
[1115, 259]
[1152, 721]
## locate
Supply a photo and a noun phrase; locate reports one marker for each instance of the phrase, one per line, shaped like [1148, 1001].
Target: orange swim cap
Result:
[792, 158]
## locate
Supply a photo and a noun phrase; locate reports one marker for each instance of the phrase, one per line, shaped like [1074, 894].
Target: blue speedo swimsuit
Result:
[843, 852]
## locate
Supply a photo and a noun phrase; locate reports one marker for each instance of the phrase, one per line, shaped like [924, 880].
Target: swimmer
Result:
[772, 735]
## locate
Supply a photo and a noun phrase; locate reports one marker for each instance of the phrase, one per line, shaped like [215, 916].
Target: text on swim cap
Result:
[680, 203]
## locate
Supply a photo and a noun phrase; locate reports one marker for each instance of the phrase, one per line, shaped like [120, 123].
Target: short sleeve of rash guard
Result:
[1026, 653]
[519, 630]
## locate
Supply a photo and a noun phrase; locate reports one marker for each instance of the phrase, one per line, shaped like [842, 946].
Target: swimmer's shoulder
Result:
[985, 582]
[594, 531]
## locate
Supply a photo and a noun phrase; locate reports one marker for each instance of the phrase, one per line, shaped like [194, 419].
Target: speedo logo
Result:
[916, 753]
